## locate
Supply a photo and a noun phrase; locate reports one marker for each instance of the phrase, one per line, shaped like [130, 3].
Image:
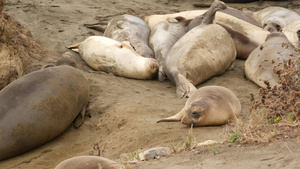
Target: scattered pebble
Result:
[154, 153]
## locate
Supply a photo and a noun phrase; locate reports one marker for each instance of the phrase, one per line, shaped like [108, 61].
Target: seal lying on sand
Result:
[112, 56]
[253, 32]
[39, 106]
[259, 67]
[128, 28]
[274, 18]
[203, 52]
[209, 105]
[243, 44]
[88, 162]
[163, 36]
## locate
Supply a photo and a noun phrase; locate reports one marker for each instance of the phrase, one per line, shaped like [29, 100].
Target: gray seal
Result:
[39, 106]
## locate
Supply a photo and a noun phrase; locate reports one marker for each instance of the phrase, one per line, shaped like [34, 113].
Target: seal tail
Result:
[74, 47]
[175, 118]
[97, 26]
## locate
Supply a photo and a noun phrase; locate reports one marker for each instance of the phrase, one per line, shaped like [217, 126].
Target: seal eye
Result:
[195, 114]
[277, 27]
[265, 25]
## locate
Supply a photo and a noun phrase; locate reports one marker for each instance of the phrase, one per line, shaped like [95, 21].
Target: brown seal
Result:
[209, 105]
[39, 106]
[205, 51]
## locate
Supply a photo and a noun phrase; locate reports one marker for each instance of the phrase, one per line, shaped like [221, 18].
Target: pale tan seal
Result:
[119, 58]
[292, 32]
[163, 36]
[205, 51]
[88, 162]
[128, 28]
[255, 33]
[209, 105]
[274, 18]
[259, 67]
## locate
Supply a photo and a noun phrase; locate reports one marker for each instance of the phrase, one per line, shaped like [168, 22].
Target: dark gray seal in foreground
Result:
[39, 106]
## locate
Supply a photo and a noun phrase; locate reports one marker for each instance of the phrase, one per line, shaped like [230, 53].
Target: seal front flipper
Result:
[176, 117]
[97, 26]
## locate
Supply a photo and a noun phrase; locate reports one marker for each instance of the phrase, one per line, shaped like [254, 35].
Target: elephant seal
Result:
[260, 65]
[163, 36]
[243, 44]
[111, 56]
[209, 105]
[88, 162]
[39, 106]
[292, 32]
[205, 51]
[128, 28]
[274, 18]
[257, 34]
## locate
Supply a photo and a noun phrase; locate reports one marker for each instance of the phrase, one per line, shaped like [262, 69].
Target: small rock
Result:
[154, 153]
[207, 142]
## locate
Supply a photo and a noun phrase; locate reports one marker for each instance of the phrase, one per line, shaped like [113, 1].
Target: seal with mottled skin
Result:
[274, 18]
[163, 36]
[260, 65]
[209, 105]
[88, 162]
[39, 106]
[128, 28]
[205, 51]
[119, 58]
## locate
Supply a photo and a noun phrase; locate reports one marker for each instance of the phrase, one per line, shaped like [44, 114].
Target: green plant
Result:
[189, 139]
[233, 137]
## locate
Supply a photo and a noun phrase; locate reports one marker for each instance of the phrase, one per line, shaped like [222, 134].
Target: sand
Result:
[124, 111]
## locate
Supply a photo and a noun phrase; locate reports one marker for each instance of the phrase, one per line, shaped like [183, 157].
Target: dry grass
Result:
[275, 113]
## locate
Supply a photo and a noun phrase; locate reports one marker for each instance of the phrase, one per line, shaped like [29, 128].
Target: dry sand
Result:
[124, 111]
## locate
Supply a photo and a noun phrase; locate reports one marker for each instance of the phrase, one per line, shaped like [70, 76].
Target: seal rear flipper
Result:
[184, 88]
[74, 47]
[97, 26]
[80, 117]
[175, 118]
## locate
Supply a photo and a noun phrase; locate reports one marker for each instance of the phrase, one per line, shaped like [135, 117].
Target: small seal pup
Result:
[205, 51]
[39, 106]
[163, 36]
[119, 58]
[128, 28]
[88, 162]
[209, 105]
[259, 67]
